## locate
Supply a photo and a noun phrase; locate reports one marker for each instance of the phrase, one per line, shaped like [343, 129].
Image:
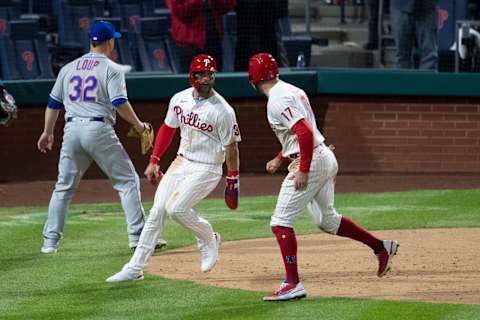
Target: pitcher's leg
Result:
[72, 165]
[112, 158]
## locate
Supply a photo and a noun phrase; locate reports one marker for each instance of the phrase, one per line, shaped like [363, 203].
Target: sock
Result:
[288, 246]
[350, 229]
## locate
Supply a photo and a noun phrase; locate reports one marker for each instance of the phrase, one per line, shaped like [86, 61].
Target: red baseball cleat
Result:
[390, 248]
[287, 291]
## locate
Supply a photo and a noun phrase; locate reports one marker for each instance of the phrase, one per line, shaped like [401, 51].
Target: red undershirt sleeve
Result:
[305, 139]
[162, 142]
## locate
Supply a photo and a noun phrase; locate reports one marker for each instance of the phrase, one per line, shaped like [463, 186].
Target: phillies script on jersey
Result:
[192, 120]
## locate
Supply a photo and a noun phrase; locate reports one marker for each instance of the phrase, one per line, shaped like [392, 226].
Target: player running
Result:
[92, 90]
[311, 179]
[209, 136]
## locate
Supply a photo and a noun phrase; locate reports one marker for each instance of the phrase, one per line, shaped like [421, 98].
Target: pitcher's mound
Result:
[435, 265]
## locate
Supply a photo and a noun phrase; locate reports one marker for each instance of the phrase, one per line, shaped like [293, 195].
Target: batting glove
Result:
[232, 189]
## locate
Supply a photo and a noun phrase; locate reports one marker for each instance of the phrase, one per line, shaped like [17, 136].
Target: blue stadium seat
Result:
[74, 21]
[38, 7]
[130, 11]
[229, 41]
[296, 44]
[122, 53]
[9, 10]
[155, 51]
[23, 52]
[159, 4]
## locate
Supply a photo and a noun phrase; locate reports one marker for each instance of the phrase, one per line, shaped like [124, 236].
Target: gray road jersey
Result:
[89, 85]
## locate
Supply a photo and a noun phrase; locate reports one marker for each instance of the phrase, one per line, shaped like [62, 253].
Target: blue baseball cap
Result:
[103, 31]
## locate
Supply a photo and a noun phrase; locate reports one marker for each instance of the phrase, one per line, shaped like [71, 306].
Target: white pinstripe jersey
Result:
[287, 105]
[89, 85]
[206, 126]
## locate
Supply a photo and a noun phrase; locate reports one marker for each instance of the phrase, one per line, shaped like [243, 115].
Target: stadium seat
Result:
[23, 52]
[74, 21]
[297, 43]
[9, 10]
[130, 11]
[122, 53]
[154, 47]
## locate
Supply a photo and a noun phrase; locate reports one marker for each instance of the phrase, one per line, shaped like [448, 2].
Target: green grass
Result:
[71, 284]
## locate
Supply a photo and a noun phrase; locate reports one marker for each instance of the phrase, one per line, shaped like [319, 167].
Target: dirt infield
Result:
[436, 265]
[426, 268]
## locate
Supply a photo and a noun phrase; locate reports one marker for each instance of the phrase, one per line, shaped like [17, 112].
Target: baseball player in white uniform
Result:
[92, 90]
[311, 179]
[209, 136]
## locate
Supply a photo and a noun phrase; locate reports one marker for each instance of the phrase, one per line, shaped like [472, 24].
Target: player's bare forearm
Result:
[232, 157]
[51, 116]
[126, 112]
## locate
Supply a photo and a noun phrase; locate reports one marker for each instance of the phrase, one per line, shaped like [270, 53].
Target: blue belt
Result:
[100, 119]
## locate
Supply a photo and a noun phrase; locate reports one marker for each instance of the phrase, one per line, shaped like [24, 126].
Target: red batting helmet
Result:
[200, 63]
[262, 66]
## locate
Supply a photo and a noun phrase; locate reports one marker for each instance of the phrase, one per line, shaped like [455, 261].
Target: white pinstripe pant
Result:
[184, 184]
[318, 196]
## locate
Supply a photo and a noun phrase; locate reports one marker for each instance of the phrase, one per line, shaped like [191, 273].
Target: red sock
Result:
[288, 246]
[350, 229]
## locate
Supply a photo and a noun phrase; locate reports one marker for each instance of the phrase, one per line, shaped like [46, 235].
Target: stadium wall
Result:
[390, 131]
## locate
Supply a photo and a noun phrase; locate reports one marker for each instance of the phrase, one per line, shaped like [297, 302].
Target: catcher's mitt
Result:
[8, 108]
[146, 137]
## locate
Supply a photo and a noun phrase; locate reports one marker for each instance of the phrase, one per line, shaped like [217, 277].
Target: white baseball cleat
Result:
[286, 292]
[209, 253]
[125, 275]
[385, 257]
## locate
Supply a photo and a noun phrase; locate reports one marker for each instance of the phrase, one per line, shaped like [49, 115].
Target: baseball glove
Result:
[146, 137]
[8, 108]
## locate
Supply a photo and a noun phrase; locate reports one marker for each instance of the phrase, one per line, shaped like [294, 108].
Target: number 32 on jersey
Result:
[83, 89]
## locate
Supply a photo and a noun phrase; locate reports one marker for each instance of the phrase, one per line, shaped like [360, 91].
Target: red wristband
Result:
[280, 157]
[232, 173]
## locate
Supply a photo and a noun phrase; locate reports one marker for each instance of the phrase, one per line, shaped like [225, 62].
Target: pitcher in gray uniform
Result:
[92, 90]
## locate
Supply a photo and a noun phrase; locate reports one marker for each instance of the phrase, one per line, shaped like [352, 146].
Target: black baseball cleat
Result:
[160, 245]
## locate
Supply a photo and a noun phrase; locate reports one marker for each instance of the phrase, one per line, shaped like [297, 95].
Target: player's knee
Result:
[64, 191]
[330, 221]
[156, 213]
[173, 209]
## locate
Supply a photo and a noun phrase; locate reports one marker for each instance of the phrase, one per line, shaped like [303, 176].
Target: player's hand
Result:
[153, 173]
[273, 165]
[300, 179]
[140, 127]
[45, 142]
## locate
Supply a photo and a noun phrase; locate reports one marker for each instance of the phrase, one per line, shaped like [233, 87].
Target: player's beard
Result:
[205, 89]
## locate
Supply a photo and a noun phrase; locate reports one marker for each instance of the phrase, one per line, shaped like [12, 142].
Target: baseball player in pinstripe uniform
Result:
[311, 179]
[209, 136]
[92, 90]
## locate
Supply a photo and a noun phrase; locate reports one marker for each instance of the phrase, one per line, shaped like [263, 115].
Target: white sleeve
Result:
[286, 110]
[171, 119]
[228, 129]
[116, 85]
